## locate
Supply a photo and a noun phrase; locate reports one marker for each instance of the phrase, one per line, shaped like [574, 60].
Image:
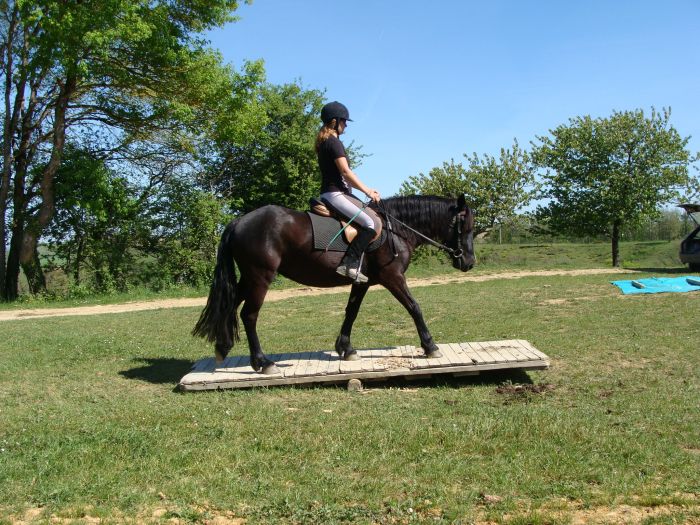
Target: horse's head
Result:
[463, 236]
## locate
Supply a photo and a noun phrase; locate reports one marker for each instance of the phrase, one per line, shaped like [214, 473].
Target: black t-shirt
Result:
[331, 179]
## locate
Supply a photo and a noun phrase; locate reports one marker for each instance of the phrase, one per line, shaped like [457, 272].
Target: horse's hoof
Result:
[343, 346]
[435, 354]
[351, 356]
[270, 370]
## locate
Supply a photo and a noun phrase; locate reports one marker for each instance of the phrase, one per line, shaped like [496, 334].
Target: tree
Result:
[120, 73]
[606, 174]
[274, 161]
[495, 188]
[185, 225]
[97, 227]
[108, 233]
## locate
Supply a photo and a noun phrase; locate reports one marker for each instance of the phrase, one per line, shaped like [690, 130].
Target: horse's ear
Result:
[461, 202]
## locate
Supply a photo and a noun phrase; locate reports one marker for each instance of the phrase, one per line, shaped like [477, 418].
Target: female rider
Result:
[337, 179]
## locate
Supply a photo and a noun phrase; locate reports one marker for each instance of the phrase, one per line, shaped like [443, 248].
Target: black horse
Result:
[273, 239]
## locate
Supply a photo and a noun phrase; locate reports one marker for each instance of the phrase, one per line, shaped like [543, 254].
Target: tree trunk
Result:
[35, 275]
[616, 244]
[11, 115]
[28, 256]
[11, 284]
[78, 259]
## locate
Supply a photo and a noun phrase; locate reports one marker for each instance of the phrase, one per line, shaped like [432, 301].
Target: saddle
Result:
[326, 223]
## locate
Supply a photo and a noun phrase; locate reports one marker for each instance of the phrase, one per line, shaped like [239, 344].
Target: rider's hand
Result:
[374, 195]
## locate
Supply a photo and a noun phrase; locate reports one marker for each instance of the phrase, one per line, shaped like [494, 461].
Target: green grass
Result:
[490, 258]
[90, 423]
[505, 257]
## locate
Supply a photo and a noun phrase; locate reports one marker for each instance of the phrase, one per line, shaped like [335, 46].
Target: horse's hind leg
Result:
[342, 344]
[255, 296]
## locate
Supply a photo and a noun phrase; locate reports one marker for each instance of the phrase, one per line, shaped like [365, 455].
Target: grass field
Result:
[491, 258]
[92, 428]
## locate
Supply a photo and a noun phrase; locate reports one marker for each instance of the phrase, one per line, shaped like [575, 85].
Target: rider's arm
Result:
[354, 180]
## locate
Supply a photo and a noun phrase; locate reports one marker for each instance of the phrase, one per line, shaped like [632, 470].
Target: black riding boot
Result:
[350, 265]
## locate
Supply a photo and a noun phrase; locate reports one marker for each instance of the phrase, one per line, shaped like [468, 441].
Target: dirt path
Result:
[278, 295]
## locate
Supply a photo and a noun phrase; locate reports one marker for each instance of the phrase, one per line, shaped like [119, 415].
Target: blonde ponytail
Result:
[325, 132]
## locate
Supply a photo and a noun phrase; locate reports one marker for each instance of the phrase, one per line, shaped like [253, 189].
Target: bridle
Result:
[456, 225]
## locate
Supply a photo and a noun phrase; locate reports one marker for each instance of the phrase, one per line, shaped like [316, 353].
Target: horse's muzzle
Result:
[464, 263]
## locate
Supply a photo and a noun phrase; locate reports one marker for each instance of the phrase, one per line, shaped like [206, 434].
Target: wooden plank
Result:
[408, 351]
[438, 362]
[503, 348]
[419, 359]
[462, 354]
[323, 363]
[526, 349]
[402, 361]
[367, 362]
[380, 357]
[515, 349]
[281, 360]
[302, 365]
[415, 355]
[489, 347]
[347, 367]
[531, 350]
[471, 353]
[456, 359]
[307, 364]
[334, 363]
[343, 377]
[484, 354]
[291, 369]
[311, 364]
[447, 355]
[319, 362]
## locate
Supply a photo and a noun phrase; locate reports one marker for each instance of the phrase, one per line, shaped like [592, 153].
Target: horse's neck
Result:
[427, 220]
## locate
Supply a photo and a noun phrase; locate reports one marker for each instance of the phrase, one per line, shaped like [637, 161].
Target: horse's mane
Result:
[426, 213]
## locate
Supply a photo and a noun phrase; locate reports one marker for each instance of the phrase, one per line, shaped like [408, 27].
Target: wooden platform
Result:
[375, 364]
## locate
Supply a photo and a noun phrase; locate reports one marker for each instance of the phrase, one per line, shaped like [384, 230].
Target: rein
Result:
[455, 253]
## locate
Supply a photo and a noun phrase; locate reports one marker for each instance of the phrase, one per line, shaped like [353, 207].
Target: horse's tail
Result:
[218, 322]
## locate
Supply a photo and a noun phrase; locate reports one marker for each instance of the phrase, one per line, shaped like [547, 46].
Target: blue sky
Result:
[426, 82]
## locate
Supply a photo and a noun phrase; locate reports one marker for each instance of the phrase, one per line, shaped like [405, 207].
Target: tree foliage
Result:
[109, 234]
[495, 188]
[184, 227]
[274, 162]
[130, 77]
[94, 231]
[606, 174]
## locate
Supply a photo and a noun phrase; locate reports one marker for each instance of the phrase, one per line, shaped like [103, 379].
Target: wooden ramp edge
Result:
[375, 364]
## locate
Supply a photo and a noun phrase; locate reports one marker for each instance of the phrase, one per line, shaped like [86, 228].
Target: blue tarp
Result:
[659, 285]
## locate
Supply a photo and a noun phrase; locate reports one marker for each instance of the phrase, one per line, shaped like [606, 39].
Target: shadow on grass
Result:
[159, 370]
[495, 377]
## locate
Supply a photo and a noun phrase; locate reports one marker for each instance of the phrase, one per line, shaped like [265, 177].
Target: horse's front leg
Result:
[399, 289]
[342, 344]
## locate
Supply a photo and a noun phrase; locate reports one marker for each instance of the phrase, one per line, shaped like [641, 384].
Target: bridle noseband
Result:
[457, 225]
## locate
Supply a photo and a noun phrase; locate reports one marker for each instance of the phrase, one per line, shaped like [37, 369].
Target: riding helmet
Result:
[334, 110]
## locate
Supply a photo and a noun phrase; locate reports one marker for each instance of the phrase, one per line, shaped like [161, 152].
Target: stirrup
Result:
[354, 274]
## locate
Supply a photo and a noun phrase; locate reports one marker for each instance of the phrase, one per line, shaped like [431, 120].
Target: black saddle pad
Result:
[325, 228]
